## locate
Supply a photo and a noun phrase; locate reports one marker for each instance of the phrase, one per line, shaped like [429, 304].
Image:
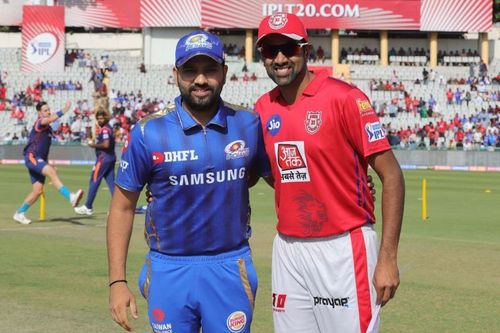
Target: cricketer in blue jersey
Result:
[197, 157]
[36, 154]
[104, 167]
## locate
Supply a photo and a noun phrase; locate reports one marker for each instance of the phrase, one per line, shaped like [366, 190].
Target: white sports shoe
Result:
[83, 210]
[21, 218]
[74, 198]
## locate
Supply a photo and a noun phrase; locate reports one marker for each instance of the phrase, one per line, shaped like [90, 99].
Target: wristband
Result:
[117, 281]
[59, 114]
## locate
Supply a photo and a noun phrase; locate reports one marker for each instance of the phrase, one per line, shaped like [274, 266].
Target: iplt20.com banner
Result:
[43, 39]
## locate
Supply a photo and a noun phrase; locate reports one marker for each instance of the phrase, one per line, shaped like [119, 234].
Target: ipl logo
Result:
[41, 48]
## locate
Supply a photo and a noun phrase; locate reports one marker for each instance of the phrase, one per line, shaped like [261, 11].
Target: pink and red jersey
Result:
[318, 148]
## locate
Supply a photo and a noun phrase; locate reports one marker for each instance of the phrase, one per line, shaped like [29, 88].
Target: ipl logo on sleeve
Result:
[375, 131]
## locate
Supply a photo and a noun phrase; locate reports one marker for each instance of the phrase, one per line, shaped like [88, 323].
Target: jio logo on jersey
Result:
[273, 125]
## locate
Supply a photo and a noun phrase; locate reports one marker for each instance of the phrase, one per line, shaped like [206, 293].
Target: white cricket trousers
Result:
[324, 285]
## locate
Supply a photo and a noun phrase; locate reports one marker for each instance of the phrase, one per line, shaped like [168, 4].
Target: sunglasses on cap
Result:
[288, 50]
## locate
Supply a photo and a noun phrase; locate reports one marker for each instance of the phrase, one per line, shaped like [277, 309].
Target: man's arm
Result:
[103, 145]
[386, 277]
[54, 116]
[119, 230]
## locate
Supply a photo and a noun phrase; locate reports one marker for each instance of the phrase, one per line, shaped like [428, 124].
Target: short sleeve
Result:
[364, 129]
[135, 164]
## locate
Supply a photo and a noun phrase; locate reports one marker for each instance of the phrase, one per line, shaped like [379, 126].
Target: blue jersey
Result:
[105, 133]
[198, 177]
[39, 141]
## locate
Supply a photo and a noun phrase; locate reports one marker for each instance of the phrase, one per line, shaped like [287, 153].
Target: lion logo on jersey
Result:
[313, 122]
[312, 213]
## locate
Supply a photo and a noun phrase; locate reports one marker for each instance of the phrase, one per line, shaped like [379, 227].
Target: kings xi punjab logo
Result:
[278, 21]
[291, 160]
[313, 122]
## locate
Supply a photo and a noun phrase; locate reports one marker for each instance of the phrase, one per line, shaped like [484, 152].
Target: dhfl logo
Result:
[158, 157]
[236, 321]
[289, 157]
[279, 301]
[158, 314]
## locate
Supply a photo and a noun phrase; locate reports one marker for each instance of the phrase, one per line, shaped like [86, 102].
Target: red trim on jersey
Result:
[361, 276]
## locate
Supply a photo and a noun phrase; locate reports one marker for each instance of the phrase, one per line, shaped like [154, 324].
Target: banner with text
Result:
[316, 14]
[43, 39]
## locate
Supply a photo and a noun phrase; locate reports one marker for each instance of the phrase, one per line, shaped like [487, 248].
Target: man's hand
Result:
[66, 106]
[120, 298]
[386, 280]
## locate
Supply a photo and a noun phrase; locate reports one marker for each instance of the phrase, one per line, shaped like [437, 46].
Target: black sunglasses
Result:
[288, 50]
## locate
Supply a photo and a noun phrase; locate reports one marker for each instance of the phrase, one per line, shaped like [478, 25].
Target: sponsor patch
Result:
[279, 301]
[236, 321]
[313, 122]
[158, 157]
[236, 149]
[363, 105]
[291, 160]
[158, 314]
[174, 156]
[273, 125]
[375, 131]
[332, 302]
[123, 165]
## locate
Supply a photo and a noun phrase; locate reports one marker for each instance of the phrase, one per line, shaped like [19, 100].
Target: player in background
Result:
[196, 157]
[104, 167]
[36, 154]
[321, 134]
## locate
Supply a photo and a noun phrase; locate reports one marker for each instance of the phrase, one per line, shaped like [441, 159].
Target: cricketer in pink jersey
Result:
[321, 134]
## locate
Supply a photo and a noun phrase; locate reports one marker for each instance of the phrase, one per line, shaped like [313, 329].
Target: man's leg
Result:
[292, 302]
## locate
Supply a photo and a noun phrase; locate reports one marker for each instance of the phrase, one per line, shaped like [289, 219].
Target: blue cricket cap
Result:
[198, 43]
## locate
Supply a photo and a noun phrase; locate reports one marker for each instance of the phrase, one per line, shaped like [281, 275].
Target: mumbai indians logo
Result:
[236, 149]
[236, 321]
[278, 21]
[198, 41]
[313, 121]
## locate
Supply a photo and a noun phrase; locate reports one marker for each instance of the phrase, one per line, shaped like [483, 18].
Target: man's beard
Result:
[200, 104]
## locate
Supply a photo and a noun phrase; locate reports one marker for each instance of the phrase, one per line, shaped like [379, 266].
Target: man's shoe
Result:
[21, 218]
[74, 198]
[83, 210]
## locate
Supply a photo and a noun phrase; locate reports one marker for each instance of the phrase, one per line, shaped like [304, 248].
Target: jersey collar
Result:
[187, 122]
[311, 89]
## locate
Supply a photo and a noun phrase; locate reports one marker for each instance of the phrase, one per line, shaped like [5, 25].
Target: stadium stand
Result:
[134, 93]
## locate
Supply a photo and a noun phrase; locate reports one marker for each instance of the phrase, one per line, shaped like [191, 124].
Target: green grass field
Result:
[53, 275]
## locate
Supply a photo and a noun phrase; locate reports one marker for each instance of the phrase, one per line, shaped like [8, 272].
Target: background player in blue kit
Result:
[104, 166]
[36, 154]
[196, 156]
